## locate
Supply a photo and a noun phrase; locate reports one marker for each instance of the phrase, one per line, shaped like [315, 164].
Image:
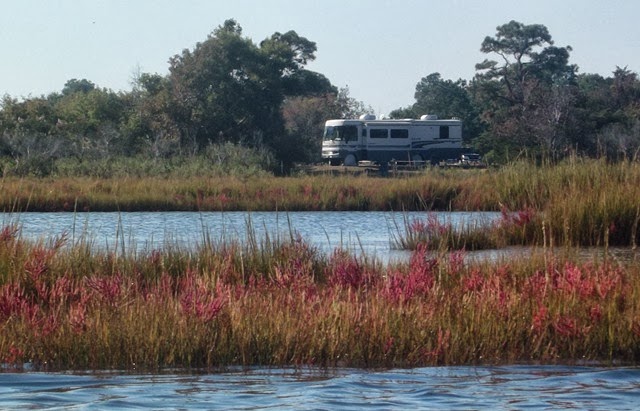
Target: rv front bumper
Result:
[328, 155]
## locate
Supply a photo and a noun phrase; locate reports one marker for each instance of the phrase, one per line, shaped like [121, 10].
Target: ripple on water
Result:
[511, 387]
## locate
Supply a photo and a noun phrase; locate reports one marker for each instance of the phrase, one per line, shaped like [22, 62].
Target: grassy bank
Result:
[514, 187]
[576, 203]
[67, 306]
[312, 193]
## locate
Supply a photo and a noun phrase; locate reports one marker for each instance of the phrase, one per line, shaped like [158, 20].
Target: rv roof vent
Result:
[367, 117]
[428, 117]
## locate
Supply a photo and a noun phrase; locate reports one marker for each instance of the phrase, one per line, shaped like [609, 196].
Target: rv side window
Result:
[378, 133]
[400, 133]
[444, 131]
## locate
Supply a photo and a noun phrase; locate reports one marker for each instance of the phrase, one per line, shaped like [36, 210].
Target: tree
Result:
[89, 120]
[606, 112]
[446, 99]
[307, 83]
[77, 86]
[229, 89]
[33, 115]
[530, 85]
[150, 127]
[626, 94]
[618, 136]
[305, 116]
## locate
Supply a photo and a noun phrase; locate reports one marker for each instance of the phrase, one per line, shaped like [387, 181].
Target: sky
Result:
[379, 49]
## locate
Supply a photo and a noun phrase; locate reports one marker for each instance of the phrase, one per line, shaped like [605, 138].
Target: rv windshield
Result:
[341, 133]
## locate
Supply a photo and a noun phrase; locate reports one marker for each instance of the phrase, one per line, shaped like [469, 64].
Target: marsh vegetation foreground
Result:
[279, 300]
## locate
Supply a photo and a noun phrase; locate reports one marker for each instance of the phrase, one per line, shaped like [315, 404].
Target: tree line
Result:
[527, 99]
[232, 104]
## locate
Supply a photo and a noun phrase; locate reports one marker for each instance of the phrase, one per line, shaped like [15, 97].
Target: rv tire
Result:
[350, 160]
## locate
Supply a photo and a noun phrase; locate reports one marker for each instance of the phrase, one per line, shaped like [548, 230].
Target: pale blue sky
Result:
[380, 49]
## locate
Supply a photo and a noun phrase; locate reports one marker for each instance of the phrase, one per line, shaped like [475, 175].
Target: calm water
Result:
[370, 232]
[463, 388]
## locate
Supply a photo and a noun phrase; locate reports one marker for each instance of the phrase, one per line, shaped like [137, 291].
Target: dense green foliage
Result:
[532, 101]
[225, 92]
[231, 94]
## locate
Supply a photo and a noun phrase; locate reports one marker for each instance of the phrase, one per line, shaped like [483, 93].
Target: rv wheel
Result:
[350, 160]
[417, 160]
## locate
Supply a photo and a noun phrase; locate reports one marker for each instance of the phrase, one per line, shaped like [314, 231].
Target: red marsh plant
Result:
[282, 303]
[513, 228]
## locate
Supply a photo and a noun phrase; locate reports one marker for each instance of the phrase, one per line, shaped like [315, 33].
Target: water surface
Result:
[372, 233]
[437, 388]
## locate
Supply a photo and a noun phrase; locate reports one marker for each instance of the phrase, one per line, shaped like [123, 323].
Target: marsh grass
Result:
[438, 233]
[230, 193]
[575, 203]
[278, 301]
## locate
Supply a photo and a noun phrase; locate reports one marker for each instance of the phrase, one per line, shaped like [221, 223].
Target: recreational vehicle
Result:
[381, 141]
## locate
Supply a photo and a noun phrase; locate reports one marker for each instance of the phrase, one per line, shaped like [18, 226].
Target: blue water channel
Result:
[438, 388]
[371, 233]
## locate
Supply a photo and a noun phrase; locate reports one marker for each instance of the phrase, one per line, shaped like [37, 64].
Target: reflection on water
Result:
[371, 233]
[510, 387]
[368, 232]
[617, 254]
